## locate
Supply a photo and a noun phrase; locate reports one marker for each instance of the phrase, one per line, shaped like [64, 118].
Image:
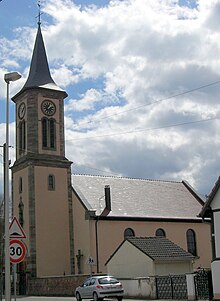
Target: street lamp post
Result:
[9, 77]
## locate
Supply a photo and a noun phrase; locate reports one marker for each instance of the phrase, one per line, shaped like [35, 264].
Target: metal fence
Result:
[203, 285]
[171, 287]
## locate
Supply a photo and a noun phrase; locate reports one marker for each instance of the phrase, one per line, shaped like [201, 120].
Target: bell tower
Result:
[41, 174]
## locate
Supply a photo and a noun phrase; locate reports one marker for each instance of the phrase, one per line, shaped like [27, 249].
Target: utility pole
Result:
[8, 77]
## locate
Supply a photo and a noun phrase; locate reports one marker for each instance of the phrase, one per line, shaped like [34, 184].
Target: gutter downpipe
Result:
[213, 237]
[97, 244]
[105, 212]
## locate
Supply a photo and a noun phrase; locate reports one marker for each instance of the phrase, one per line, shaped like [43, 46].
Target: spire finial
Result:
[39, 12]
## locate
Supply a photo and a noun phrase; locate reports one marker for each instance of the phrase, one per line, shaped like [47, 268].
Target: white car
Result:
[100, 287]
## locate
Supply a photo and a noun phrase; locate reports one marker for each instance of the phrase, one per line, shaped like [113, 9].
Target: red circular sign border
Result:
[23, 250]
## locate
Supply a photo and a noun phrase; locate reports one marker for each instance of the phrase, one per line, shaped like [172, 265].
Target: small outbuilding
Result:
[149, 256]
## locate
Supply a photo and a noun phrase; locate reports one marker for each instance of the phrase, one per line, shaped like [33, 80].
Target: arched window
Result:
[52, 133]
[128, 233]
[51, 182]
[20, 185]
[48, 133]
[22, 136]
[160, 232]
[191, 242]
[21, 212]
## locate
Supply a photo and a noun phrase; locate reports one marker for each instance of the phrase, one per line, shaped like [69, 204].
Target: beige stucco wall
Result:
[128, 261]
[175, 268]
[24, 198]
[52, 223]
[176, 232]
[111, 234]
[83, 230]
[51, 216]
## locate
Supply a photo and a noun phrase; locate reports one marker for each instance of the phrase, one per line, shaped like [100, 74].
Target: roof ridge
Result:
[128, 178]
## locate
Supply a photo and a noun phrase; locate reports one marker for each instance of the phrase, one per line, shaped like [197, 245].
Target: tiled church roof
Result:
[138, 198]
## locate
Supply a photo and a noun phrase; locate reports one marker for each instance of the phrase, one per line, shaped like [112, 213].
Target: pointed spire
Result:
[39, 74]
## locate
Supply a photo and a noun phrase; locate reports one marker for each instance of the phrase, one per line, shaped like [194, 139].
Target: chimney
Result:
[107, 198]
[108, 208]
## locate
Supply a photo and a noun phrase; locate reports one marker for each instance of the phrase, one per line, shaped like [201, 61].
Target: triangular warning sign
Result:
[15, 229]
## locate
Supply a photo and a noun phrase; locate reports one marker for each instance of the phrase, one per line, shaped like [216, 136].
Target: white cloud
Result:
[147, 51]
[128, 58]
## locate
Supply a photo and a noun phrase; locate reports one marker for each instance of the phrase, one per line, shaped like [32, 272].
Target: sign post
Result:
[15, 281]
[17, 249]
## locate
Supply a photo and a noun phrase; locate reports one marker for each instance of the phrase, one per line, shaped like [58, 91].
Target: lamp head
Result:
[11, 77]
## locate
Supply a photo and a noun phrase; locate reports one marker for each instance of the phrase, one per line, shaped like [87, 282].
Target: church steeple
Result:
[39, 74]
[41, 173]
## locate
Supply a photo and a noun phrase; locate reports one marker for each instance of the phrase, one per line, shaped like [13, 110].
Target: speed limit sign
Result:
[17, 251]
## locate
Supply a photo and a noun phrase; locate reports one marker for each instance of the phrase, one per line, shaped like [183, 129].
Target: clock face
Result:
[48, 107]
[21, 110]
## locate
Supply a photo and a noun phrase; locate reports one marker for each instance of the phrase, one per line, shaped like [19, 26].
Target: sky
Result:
[143, 83]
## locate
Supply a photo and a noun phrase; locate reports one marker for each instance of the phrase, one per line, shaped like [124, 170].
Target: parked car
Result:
[100, 287]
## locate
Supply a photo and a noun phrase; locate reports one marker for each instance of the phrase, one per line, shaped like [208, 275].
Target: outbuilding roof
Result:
[157, 248]
[160, 248]
[138, 198]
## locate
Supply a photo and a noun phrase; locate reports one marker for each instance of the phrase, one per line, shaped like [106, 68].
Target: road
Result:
[37, 298]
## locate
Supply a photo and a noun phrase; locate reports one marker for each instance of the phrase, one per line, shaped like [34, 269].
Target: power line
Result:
[140, 130]
[113, 175]
[96, 169]
[151, 103]
[147, 129]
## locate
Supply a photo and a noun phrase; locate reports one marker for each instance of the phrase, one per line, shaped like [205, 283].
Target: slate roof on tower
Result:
[39, 74]
[138, 198]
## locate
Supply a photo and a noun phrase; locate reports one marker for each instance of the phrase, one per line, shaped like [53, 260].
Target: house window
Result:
[48, 133]
[20, 185]
[191, 242]
[22, 136]
[51, 182]
[160, 232]
[128, 233]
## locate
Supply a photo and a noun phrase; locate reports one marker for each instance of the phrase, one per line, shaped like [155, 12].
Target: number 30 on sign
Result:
[17, 251]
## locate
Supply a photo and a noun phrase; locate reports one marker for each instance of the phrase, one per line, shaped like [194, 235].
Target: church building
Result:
[74, 223]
